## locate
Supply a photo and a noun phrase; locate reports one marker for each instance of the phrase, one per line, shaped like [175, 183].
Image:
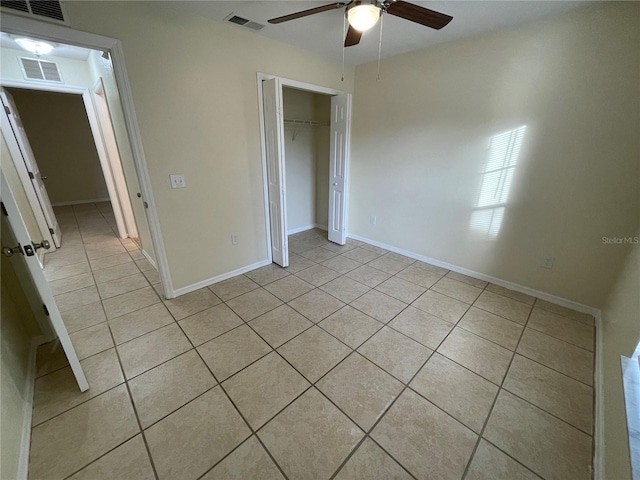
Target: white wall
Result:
[300, 159]
[194, 87]
[74, 72]
[620, 336]
[60, 136]
[306, 158]
[421, 136]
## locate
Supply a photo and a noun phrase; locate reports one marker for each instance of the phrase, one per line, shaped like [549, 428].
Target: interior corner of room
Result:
[511, 156]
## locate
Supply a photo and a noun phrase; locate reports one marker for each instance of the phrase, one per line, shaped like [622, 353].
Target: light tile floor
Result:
[352, 363]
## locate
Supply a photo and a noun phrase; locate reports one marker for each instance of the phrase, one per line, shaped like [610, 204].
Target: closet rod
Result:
[307, 123]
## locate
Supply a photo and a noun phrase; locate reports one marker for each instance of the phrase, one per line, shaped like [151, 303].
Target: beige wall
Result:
[63, 145]
[323, 147]
[306, 158]
[620, 336]
[18, 327]
[421, 135]
[194, 87]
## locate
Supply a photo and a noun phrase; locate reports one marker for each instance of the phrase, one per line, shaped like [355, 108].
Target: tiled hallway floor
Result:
[352, 363]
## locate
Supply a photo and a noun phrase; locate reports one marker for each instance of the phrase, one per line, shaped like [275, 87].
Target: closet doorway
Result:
[306, 143]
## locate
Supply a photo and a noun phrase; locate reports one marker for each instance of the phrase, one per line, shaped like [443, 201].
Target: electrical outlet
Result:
[548, 262]
[178, 181]
[235, 239]
[373, 220]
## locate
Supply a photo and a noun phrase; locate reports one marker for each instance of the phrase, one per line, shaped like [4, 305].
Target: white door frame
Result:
[287, 82]
[98, 140]
[46, 31]
[40, 283]
[101, 108]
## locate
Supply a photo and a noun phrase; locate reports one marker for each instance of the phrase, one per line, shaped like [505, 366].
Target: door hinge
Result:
[31, 175]
[46, 310]
[4, 210]
[6, 110]
[51, 231]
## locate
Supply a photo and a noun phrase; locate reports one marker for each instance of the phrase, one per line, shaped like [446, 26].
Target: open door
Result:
[103, 116]
[274, 140]
[338, 167]
[19, 135]
[12, 223]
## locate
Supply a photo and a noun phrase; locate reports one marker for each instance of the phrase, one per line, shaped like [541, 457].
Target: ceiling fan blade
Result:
[421, 15]
[304, 13]
[353, 37]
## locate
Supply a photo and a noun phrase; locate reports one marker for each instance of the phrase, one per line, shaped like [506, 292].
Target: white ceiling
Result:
[60, 50]
[323, 33]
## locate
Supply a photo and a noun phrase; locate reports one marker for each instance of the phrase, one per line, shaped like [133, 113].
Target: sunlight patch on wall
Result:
[488, 213]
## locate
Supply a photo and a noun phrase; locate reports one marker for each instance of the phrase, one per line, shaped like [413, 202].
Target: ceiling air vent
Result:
[51, 9]
[40, 70]
[244, 22]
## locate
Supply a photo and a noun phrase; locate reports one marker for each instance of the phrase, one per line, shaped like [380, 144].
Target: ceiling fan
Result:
[364, 14]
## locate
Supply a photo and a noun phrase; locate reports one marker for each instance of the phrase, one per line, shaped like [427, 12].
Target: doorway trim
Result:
[96, 127]
[55, 33]
[309, 87]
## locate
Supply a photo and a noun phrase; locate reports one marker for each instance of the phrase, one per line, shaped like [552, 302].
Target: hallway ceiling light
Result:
[37, 47]
[363, 15]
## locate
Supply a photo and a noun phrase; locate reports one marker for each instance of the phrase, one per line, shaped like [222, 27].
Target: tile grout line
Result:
[253, 433]
[392, 403]
[384, 323]
[126, 382]
[495, 400]
[116, 386]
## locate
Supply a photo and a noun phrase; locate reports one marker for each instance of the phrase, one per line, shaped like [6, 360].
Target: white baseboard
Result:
[148, 257]
[579, 307]
[219, 278]
[25, 440]
[307, 227]
[598, 423]
[81, 202]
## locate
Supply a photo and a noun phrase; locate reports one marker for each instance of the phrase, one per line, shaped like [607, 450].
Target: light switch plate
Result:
[178, 181]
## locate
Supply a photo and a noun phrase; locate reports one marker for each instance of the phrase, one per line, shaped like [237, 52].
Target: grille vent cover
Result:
[244, 22]
[51, 9]
[40, 70]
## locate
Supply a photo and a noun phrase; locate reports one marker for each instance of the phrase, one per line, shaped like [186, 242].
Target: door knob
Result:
[44, 244]
[335, 184]
[9, 251]
[43, 177]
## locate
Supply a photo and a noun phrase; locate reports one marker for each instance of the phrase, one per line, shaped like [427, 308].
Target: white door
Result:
[27, 248]
[103, 116]
[338, 167]
[274, 142]
[11, 114]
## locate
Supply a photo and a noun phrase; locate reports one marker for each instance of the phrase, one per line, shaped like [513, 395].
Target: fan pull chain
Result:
[344, 34]
[380, 47]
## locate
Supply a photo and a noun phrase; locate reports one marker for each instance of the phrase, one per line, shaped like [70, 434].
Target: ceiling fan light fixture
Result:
[37, 47]
[363, 15]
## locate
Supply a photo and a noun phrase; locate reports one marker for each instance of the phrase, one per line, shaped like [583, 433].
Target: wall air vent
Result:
[244, 22]
[49, 9]
[34, 69]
